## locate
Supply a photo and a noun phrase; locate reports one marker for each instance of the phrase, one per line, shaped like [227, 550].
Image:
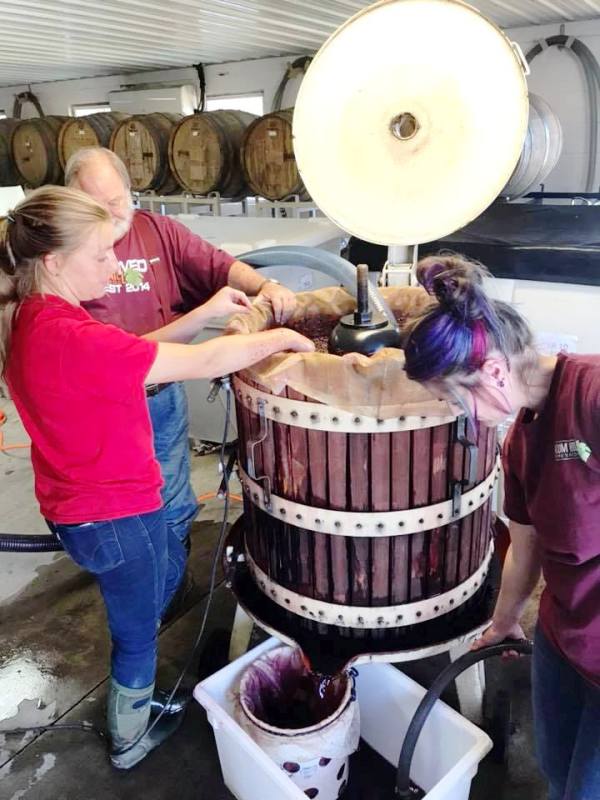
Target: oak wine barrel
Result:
[142, 142]
[93, 130]
[33, 147]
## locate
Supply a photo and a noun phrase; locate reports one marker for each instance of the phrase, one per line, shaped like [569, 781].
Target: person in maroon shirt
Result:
[163, 271]
[479, 354]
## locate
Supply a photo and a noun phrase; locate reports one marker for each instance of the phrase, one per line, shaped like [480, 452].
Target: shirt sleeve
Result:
[201, 268]
[587, 409]
[515, 503]
[105, 361]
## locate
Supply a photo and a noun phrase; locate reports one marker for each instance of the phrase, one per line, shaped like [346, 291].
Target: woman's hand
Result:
[225, 302]
[291, 340]
[498, 632]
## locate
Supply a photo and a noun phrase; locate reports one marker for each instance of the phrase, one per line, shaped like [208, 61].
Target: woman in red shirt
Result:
[479, 353]
[78, 385]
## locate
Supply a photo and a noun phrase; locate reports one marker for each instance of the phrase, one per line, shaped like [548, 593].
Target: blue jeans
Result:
[138, 563]
[169, 415]
[566, 712]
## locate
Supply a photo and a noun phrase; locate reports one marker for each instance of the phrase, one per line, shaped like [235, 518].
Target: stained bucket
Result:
[308, 726]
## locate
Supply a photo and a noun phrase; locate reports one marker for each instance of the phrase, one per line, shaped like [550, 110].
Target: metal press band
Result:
[320, 417]
[369, 523]
[395, 616]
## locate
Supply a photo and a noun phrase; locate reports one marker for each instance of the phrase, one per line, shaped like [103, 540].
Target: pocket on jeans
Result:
[94, 546]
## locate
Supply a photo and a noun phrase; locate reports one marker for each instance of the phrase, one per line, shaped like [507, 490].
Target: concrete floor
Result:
[54, 668]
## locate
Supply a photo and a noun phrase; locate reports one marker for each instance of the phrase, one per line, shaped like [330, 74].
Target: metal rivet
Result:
[321, 613]
[399, 618]
[380, 422]
[255, 496]
[481, 496]
[380, 526]
[401, 524]
[451, 602]
[440, 516]
[282, 511]
[287, 601]
[465, 593]
[294, 414]
[273, 593]
[402, 419]
[337, 524]
[262, 584]
[317, 522]
[380, 620]
[470, 502]
[423, 417]
[340, 618]
[357, 420]
[419, 614]
[314, 417]
[361, 621]
[334, 419]
[276, 410]
[302, 608]
[298, 516]
[436, 609]
[421, 521]
[358, 526]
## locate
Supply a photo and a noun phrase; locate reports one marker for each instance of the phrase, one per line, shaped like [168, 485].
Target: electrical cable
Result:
[88, 727]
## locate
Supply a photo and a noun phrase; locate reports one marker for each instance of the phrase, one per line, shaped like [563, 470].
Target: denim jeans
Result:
[169, 415]
[138, 563]
[566, 712]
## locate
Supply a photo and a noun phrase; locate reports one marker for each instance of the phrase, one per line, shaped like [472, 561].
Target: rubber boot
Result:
[128, 718]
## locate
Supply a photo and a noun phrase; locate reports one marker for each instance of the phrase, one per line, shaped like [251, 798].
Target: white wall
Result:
[241, 77]
[557, 76]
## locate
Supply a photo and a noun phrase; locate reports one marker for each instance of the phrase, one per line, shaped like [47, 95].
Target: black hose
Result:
[452, 671]
[29, 543]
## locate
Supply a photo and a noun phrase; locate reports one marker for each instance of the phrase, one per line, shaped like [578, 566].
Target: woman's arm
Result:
[521, 572]
[225, 302]
[222, 355]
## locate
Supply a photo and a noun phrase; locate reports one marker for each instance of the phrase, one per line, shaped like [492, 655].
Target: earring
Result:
[500, 383]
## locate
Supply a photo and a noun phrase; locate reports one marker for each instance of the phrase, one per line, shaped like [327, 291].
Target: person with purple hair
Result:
[479, 354]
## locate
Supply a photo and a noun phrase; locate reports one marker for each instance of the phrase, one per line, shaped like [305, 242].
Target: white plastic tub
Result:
[445, 760]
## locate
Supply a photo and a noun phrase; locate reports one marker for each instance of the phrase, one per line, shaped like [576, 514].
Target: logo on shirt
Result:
[571, 450]
[130, 277]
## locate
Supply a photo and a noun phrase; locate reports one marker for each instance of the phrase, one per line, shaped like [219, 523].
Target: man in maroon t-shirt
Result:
[164, 271]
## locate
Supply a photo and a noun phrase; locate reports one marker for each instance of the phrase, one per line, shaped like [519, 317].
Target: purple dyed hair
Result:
[456, 334]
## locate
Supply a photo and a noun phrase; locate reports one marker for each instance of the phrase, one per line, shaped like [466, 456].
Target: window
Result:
[2, 113]
[89, 108]
[253, 103]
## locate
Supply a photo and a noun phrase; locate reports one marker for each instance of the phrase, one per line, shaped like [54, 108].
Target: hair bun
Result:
[455, 282]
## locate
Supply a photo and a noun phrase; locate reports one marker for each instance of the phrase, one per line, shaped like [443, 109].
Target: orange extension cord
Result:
[5, 447]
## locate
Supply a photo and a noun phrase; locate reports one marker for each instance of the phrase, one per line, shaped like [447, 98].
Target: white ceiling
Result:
[45, 40]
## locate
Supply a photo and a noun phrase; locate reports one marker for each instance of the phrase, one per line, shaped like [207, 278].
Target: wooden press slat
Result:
[400, 500]
[420, 490]
[337, 455]
[440, 444]
[380, 501]
[358, 492]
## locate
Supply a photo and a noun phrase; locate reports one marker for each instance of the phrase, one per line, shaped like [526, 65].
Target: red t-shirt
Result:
[552, 466]
[78, 386]
[164, 271]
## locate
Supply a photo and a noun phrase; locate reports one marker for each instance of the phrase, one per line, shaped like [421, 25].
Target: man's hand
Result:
[283, 301]
[225, 302]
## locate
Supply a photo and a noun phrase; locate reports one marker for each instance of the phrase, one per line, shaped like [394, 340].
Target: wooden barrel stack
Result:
[142, 142]
[9, 175]
[268, 157]
[33, 147]
[93, 130]
[204, 152]
[418, 549]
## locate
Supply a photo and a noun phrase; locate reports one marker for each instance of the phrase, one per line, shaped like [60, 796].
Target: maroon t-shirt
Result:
[552, 468]
[164, 271]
